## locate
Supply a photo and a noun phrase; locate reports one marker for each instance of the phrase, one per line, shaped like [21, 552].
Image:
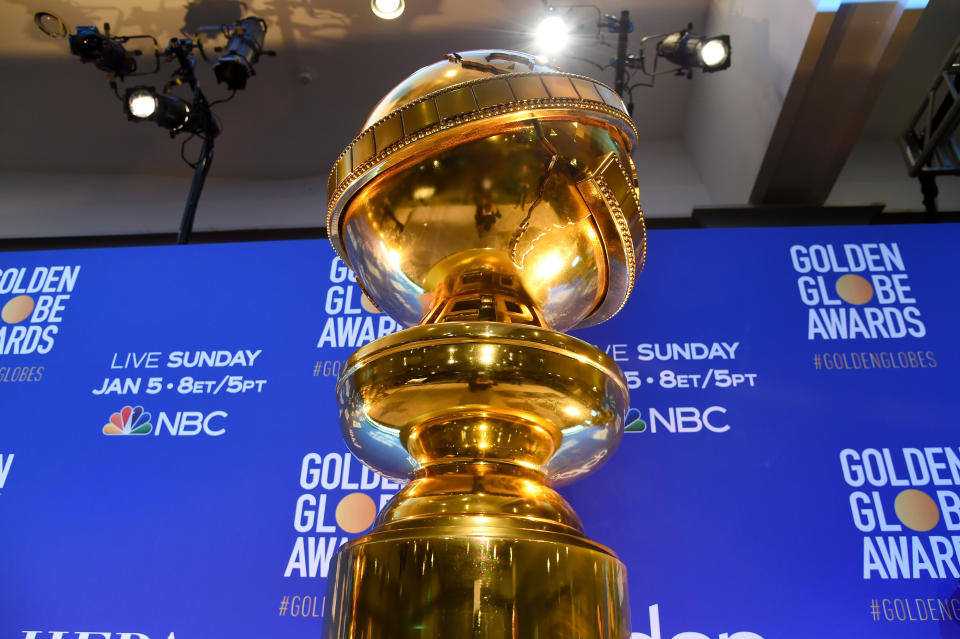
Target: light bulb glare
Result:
[143, 104]
[713, 53]
[552, 34]
[387, 9]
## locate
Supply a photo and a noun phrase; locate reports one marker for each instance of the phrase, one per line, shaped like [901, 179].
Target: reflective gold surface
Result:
[491, 151]
[490, 202]
[446, 584]
[564, 399]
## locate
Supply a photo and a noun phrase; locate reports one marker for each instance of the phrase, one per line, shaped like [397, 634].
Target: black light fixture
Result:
[171, 112]
[243, 51]
[689, 51]
[105, 52]
[141, 103]
[684, 49]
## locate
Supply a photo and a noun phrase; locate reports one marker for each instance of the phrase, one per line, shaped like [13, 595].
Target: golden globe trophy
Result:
[489, 202]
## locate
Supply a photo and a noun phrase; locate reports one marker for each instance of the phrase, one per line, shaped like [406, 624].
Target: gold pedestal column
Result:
[491, 201]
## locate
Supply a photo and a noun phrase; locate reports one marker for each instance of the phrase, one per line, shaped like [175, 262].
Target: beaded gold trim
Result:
[634, 197]
[624, 228]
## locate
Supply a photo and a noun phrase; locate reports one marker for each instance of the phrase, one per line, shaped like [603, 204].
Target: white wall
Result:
[670, 185]
[52, 205]
[63, 204]
[731, 114]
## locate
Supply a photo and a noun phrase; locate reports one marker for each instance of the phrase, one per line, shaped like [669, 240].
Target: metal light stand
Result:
[199, 178]
[620, 71]
[181, 48]
[621, 83]
[107, 53]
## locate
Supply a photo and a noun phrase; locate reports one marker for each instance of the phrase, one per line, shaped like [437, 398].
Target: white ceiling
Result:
[71, 164]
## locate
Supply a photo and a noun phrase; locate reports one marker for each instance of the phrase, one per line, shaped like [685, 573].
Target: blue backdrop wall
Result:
[171, 465]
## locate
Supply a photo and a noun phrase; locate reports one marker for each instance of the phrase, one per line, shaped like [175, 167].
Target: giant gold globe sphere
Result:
[492, 160]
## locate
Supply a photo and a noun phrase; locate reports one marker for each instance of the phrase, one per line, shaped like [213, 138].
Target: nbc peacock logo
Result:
[129, 421]
[633, 422]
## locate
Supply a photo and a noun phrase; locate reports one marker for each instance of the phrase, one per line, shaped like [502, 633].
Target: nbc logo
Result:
[634, 424]
[135, 421]
[129, 421]
[677, 419]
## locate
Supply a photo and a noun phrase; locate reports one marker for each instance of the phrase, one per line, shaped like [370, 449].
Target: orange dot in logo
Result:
[17, 309]
[917, 510]
[854, 289]
[356, 512]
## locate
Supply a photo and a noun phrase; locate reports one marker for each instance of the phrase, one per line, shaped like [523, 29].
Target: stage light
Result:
[168, 111]
[688, 50]
[105, 52]
[685, 49]
[387, 9]
[552, 34]
[243, 51]
[141, 103]
[714, 52]
[176, 115]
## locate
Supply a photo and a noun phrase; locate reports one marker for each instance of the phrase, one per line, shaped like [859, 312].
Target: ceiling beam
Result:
[849, 53]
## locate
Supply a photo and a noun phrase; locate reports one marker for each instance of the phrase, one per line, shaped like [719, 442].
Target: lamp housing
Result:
[688, 50]
[105, 52]
[169, 111]
[243, 51]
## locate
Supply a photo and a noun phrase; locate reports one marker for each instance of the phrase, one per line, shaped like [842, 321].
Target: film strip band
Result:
[484, 97]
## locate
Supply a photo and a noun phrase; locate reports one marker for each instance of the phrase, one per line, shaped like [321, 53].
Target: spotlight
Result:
[168, 111]
[141, 103]
[552, 34]
[105, 52]
[387, 9]
[174, 114]
[714, 52]
[235, 66]
[688, 51]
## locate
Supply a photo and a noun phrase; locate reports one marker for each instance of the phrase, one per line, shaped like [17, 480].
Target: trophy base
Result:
[482, 417]
[475, 581]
